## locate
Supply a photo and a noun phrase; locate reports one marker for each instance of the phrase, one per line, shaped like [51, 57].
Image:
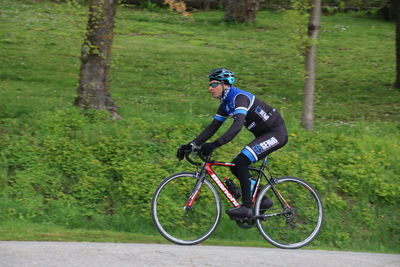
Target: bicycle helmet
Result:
[222, 74]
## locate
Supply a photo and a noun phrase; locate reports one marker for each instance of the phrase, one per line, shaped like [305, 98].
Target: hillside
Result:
[60, 168]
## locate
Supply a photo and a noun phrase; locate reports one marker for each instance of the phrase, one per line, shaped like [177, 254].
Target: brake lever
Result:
[195, 147]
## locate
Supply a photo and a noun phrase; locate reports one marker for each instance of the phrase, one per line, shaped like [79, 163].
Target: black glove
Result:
[182, 150]
[208, 148]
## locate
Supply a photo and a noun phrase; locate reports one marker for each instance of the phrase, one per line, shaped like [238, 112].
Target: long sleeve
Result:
[208, 132]
[238, 121]
[239, 116]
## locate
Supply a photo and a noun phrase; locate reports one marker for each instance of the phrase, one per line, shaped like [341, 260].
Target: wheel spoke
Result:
[179, 223]
[295, 225]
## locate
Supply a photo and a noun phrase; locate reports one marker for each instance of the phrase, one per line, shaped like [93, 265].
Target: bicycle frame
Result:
[218, 181]
[207, 168]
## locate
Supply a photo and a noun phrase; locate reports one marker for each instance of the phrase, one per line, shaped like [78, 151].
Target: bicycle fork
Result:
[195, 191]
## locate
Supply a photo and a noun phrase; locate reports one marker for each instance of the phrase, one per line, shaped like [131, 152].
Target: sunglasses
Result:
[213, 85]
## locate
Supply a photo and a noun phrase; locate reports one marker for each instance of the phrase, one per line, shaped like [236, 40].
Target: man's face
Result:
[216, 88]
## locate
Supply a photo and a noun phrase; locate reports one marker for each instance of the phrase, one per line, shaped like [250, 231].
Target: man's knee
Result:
[241, 161]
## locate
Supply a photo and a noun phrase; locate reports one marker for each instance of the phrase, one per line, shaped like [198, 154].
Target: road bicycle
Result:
[186, 207]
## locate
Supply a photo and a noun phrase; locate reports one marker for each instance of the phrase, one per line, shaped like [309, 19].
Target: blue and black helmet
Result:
[222, 74]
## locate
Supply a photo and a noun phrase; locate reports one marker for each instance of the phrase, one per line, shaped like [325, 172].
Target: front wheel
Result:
[296, 216]
[180, 225]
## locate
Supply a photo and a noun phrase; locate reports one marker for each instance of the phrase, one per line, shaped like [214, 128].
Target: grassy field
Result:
[48, 177]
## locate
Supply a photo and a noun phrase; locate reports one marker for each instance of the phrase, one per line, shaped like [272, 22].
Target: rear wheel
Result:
[295, 225]
[185, 226]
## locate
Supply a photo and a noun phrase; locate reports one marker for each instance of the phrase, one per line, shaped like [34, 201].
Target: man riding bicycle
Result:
[261, 119]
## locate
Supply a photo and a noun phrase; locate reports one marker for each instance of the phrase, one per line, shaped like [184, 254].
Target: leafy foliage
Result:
[296, 21]
[81, 172]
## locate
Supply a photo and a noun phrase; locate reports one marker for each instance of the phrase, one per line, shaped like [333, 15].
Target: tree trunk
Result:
[310, 63]
[241, 11]
[206, 5]
[94, 81]
[396, 7]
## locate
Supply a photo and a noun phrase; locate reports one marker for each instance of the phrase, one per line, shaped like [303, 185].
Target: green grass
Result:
[159, 80]
[170, 57]
[23, 231]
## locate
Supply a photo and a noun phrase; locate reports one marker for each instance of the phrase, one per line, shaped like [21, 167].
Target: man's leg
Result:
[241, 171]
[266, 144]
[256, 150]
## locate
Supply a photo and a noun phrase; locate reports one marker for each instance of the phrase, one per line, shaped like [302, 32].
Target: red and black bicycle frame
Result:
[208, 169]
[219, 183]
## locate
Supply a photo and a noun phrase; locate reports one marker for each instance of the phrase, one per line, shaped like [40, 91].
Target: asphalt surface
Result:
[13, 254]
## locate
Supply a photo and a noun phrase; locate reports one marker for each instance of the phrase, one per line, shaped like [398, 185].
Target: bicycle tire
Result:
[185, 227]
[300, 224]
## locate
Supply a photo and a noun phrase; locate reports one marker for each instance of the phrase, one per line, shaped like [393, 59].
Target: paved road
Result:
[48, 254]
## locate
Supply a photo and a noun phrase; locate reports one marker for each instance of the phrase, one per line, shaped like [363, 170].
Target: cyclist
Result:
[262, 120]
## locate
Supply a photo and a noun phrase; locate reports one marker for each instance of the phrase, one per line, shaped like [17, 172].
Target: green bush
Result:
[83, 171]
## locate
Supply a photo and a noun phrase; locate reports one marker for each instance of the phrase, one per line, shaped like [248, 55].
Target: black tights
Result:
[241, 171]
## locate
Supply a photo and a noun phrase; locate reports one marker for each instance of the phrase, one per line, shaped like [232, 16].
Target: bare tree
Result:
[241, 10]
[310, 63]
[94, 81]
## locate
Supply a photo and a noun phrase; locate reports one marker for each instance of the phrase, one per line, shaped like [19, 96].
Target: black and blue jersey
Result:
[245, 109]
[235, 101]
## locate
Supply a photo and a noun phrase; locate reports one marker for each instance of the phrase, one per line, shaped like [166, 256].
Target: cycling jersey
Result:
[245, 109]
[259, 117]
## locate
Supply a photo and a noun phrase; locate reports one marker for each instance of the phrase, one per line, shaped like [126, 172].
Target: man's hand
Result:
[208, 148]
[183, 150]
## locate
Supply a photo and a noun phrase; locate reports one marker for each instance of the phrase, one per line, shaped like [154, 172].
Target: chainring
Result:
[246, 223]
